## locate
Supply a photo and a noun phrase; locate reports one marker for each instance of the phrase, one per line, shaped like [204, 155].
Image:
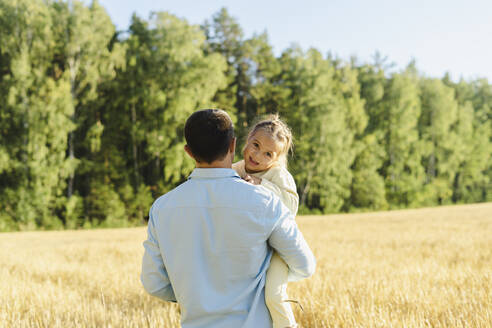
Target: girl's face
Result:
[261, 152]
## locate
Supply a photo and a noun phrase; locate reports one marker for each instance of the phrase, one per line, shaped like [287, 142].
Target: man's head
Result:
[209, 135]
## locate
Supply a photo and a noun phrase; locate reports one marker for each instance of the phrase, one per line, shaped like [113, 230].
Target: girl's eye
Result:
[269, 154]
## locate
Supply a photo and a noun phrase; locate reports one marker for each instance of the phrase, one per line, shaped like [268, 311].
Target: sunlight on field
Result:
[413, 268]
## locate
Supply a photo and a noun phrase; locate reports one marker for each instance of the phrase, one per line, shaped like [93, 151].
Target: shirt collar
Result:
[211, 173]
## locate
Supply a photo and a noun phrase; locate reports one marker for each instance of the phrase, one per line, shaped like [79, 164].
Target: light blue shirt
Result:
[208, 248]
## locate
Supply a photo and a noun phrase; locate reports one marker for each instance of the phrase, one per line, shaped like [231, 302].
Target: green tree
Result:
[367, 188]
[86, 57]
[168, 75]
[35, 119]
[472, 181]
[265, 93]
[224, 36]
[440, 159]
[475, 154]
[482, 102]
[368, 155]
[401, 112]
[316, 115]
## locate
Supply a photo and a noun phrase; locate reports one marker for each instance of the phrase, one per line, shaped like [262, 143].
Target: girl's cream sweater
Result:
[276, 179]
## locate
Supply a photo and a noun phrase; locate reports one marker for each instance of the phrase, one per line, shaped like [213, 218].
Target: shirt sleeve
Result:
[288, 241]
[154, 277]
[283, 185]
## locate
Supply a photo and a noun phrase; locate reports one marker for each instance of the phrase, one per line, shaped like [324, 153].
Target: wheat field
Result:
[412, 268]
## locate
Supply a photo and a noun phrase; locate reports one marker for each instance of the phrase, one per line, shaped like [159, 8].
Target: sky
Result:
[442, 36]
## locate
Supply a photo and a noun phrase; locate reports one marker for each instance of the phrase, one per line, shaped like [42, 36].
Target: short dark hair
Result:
[209, 133]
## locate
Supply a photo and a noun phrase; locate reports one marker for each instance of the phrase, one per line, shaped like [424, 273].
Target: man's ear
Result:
[232, 146]
[188, 151]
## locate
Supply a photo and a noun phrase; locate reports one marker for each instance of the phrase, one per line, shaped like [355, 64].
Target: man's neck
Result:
[214, 165]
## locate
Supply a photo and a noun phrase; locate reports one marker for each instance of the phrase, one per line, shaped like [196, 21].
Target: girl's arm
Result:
[281, 182]
[278, 180]
[286, 192]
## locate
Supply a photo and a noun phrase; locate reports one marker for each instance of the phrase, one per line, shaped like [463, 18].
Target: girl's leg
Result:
[276, 294]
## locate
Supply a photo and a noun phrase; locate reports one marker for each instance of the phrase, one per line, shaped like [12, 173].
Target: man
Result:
[208, 239]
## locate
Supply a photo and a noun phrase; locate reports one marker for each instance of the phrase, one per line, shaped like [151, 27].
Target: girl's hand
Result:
[252, 179]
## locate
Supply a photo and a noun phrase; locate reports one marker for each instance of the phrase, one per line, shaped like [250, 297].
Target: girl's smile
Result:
[252, 161]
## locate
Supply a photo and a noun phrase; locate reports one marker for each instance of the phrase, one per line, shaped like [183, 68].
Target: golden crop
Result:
[412, 268]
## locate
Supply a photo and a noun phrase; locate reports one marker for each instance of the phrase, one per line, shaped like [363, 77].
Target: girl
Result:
[265, 163]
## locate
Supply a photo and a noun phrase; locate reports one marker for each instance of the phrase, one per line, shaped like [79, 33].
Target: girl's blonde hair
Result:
[279, 131]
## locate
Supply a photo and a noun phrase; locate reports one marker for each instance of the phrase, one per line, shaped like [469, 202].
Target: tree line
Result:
[91, 120]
